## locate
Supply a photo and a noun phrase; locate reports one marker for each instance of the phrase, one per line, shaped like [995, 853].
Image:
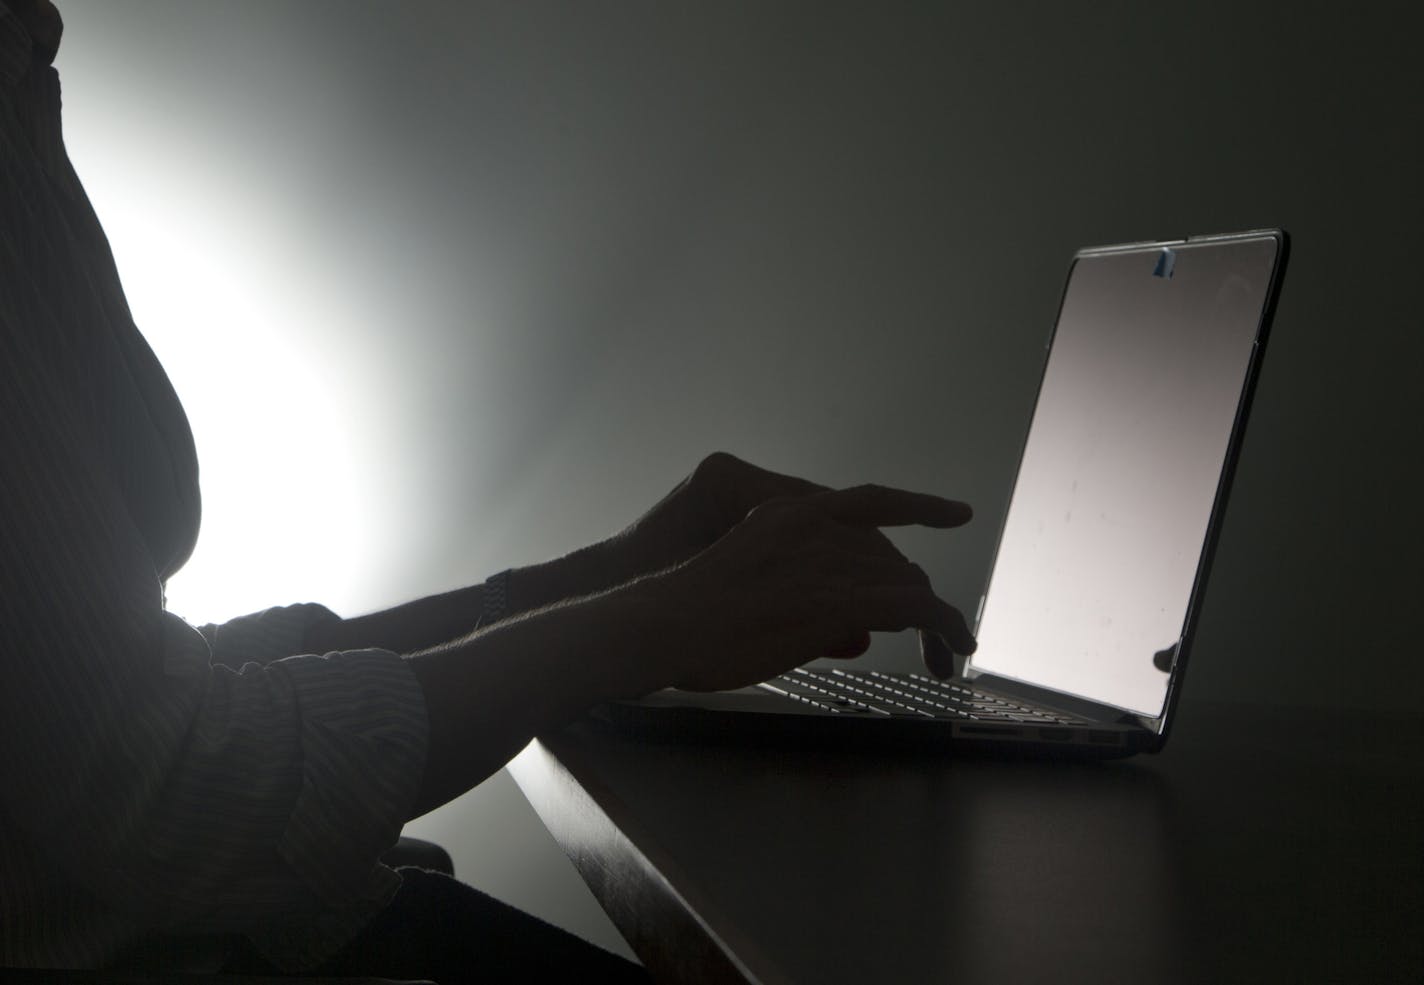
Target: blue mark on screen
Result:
[1166, 263]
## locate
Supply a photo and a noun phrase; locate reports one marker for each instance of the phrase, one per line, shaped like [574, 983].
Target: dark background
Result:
[537, 259]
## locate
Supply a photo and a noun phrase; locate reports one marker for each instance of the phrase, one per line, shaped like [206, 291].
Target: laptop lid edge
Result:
[1162, 725]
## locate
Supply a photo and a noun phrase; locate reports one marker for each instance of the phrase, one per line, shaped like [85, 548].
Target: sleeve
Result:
[14, 48]
[264, 636]
[195, 797]
[190, 796]
[198, 798]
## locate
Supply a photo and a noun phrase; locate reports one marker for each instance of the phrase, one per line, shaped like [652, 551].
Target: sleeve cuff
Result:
[265, 636]
[363, 736]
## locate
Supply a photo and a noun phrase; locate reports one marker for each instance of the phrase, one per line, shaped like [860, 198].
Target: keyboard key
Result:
[910, 695]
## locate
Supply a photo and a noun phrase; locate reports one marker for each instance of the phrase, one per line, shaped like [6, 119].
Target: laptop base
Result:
[753, 716]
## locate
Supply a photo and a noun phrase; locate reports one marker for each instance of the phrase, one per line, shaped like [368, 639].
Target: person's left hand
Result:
[702, 508]
[717, 496]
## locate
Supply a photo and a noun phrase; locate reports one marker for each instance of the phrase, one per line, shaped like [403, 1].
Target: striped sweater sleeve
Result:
[262, 637]
[148, 789]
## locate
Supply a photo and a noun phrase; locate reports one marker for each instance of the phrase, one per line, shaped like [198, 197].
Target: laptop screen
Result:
[1110, 512]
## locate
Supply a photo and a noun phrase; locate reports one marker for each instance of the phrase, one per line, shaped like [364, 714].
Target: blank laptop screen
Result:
[1110, 511]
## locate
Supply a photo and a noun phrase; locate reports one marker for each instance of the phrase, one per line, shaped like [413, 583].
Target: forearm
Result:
[406, 628]
[590, 571]
[428, 622]
[487, 695]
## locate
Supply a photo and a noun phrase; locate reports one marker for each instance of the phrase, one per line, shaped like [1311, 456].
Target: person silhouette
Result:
[220, 796]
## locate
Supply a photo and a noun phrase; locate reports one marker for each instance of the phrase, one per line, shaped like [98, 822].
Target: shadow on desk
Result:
[1256, 847]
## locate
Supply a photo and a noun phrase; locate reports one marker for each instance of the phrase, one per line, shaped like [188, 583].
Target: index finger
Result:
[882, 506]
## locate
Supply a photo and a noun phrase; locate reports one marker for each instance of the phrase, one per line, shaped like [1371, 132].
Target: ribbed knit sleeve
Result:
[262, 637]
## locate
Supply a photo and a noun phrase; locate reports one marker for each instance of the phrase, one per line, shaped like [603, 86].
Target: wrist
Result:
[637, 632]
[488, 694]
[494, 599]
[587, 571]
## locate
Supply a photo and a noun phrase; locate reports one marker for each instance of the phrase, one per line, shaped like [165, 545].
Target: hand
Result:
[797, 578]
[805, 577]
[717, 496]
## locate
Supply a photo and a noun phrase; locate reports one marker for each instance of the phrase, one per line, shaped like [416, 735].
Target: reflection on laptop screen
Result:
[1104, 531]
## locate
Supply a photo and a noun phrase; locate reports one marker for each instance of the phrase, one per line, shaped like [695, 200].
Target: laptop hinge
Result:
[1057, 700]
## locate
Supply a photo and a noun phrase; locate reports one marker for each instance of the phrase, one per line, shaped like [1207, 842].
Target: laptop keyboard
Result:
[869, 692]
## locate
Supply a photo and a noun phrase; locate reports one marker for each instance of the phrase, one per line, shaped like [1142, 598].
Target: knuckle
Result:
[717, 463]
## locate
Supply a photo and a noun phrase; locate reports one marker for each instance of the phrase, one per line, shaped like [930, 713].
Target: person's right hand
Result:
[803, 578]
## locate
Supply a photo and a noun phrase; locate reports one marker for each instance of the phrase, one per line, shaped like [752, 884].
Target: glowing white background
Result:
[239, 297]
[286, 515]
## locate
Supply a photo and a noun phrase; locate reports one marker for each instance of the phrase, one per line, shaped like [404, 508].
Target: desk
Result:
[1257, 847]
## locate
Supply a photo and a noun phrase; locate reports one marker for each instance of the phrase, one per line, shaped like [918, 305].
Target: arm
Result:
[699, 511]
[428, 622]
[143, 789]
[488, 694]
[795, 580]
[147, 786]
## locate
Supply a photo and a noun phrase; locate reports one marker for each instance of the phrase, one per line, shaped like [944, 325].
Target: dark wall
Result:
[592, 242]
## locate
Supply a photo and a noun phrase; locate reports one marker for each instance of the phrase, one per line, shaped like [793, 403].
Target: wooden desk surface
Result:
[1259, 846]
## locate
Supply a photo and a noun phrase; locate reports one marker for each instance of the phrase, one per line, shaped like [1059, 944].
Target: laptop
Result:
[1087, 618]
